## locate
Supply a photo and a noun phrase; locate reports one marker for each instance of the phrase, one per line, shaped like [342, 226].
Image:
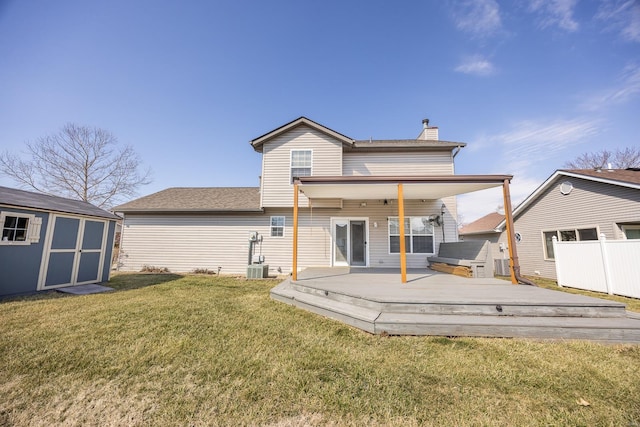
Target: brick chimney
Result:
[429, 133]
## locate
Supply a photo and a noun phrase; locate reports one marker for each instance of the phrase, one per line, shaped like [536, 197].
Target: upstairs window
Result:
[300, 163]
[20, 229]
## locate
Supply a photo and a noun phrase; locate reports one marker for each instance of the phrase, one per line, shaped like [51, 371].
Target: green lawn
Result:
[166, 350]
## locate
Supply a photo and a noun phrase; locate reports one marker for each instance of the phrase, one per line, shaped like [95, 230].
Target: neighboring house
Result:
[49, 242]
[347, 207]
[571, 205]
[485, 228]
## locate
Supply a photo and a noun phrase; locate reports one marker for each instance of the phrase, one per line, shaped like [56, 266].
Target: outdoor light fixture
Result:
[386, 202]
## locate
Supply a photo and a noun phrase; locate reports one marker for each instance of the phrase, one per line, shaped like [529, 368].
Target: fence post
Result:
[554, 242]
[605, 263]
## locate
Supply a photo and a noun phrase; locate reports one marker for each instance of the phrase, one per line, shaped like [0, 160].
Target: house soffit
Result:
[367, 188]
[259, 142]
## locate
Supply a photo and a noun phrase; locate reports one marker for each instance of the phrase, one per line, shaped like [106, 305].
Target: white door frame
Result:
[44, 265]
[348, 220]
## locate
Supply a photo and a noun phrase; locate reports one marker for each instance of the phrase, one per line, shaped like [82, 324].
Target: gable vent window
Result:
[300, 163]
[19, 229]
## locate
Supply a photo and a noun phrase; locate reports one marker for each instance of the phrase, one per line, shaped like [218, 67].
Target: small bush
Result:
[203, 271]
[153, 269]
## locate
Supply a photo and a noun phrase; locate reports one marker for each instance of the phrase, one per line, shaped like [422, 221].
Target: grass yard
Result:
[166, 350]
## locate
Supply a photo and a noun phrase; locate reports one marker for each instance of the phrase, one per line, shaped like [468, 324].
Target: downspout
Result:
[455, 153]
[513, 253]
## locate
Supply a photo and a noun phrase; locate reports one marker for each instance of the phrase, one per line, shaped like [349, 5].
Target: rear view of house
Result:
[347, 206]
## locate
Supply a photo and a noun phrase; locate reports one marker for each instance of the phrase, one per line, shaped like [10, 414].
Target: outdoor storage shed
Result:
[50, 242]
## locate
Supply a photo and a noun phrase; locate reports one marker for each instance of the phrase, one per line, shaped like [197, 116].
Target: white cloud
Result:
[530, 151]
[555, 13]
[623, 16]
[476, 65]
[477, 17]
[626, 87]
[530, 141]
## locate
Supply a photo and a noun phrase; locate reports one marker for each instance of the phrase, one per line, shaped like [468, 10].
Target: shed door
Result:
[75, 252]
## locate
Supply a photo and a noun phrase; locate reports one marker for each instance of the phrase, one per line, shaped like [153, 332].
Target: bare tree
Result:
[79, 162]
[620, 159]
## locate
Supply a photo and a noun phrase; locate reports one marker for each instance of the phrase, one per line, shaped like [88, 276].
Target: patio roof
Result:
[401, 187]
[386, 187]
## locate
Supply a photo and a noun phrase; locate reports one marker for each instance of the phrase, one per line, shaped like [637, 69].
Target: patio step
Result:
[497, 307]
[354, 315]
[442, 320]
[606, 330]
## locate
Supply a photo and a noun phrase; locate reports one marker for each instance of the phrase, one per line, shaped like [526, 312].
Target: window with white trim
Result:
[631, 231]
[19, 228]
[301, 161]
[277, 226]
[418, 235]
[567, 235]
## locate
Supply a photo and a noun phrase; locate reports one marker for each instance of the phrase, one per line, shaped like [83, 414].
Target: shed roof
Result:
[197, 199]
[486, 224]
[28, 199]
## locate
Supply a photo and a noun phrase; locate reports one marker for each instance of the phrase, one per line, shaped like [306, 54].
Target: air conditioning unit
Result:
[501, 267]
[257, 271]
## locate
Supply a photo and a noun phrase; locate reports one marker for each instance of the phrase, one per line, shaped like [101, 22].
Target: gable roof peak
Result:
[258, 142]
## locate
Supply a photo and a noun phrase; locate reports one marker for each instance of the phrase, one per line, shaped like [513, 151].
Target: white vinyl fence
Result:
[611, 266]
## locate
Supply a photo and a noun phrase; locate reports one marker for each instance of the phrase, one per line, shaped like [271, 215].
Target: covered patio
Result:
[402, 188]
[433, 303]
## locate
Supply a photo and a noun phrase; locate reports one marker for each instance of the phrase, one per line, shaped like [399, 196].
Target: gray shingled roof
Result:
[197, 199]
[631, 175]
[28, 199]
[486, 224]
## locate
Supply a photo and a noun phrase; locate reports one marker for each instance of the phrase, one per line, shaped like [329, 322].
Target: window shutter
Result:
[34, 229]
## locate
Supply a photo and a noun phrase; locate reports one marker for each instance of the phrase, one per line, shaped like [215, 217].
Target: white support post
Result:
[554, 242]
[605, 263]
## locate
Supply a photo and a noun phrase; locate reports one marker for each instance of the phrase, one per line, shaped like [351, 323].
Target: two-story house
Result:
[324, 199]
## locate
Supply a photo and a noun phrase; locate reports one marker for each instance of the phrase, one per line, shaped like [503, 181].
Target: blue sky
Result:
[526, 84]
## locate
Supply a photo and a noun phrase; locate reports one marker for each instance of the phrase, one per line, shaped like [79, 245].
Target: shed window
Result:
[277, 226]
[418, 235]
[301, 161]
[19, 228]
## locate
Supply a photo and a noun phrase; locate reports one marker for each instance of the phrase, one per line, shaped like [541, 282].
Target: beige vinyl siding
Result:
[411, 163]
[590, 204]
[277, 190]
[183, 243]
